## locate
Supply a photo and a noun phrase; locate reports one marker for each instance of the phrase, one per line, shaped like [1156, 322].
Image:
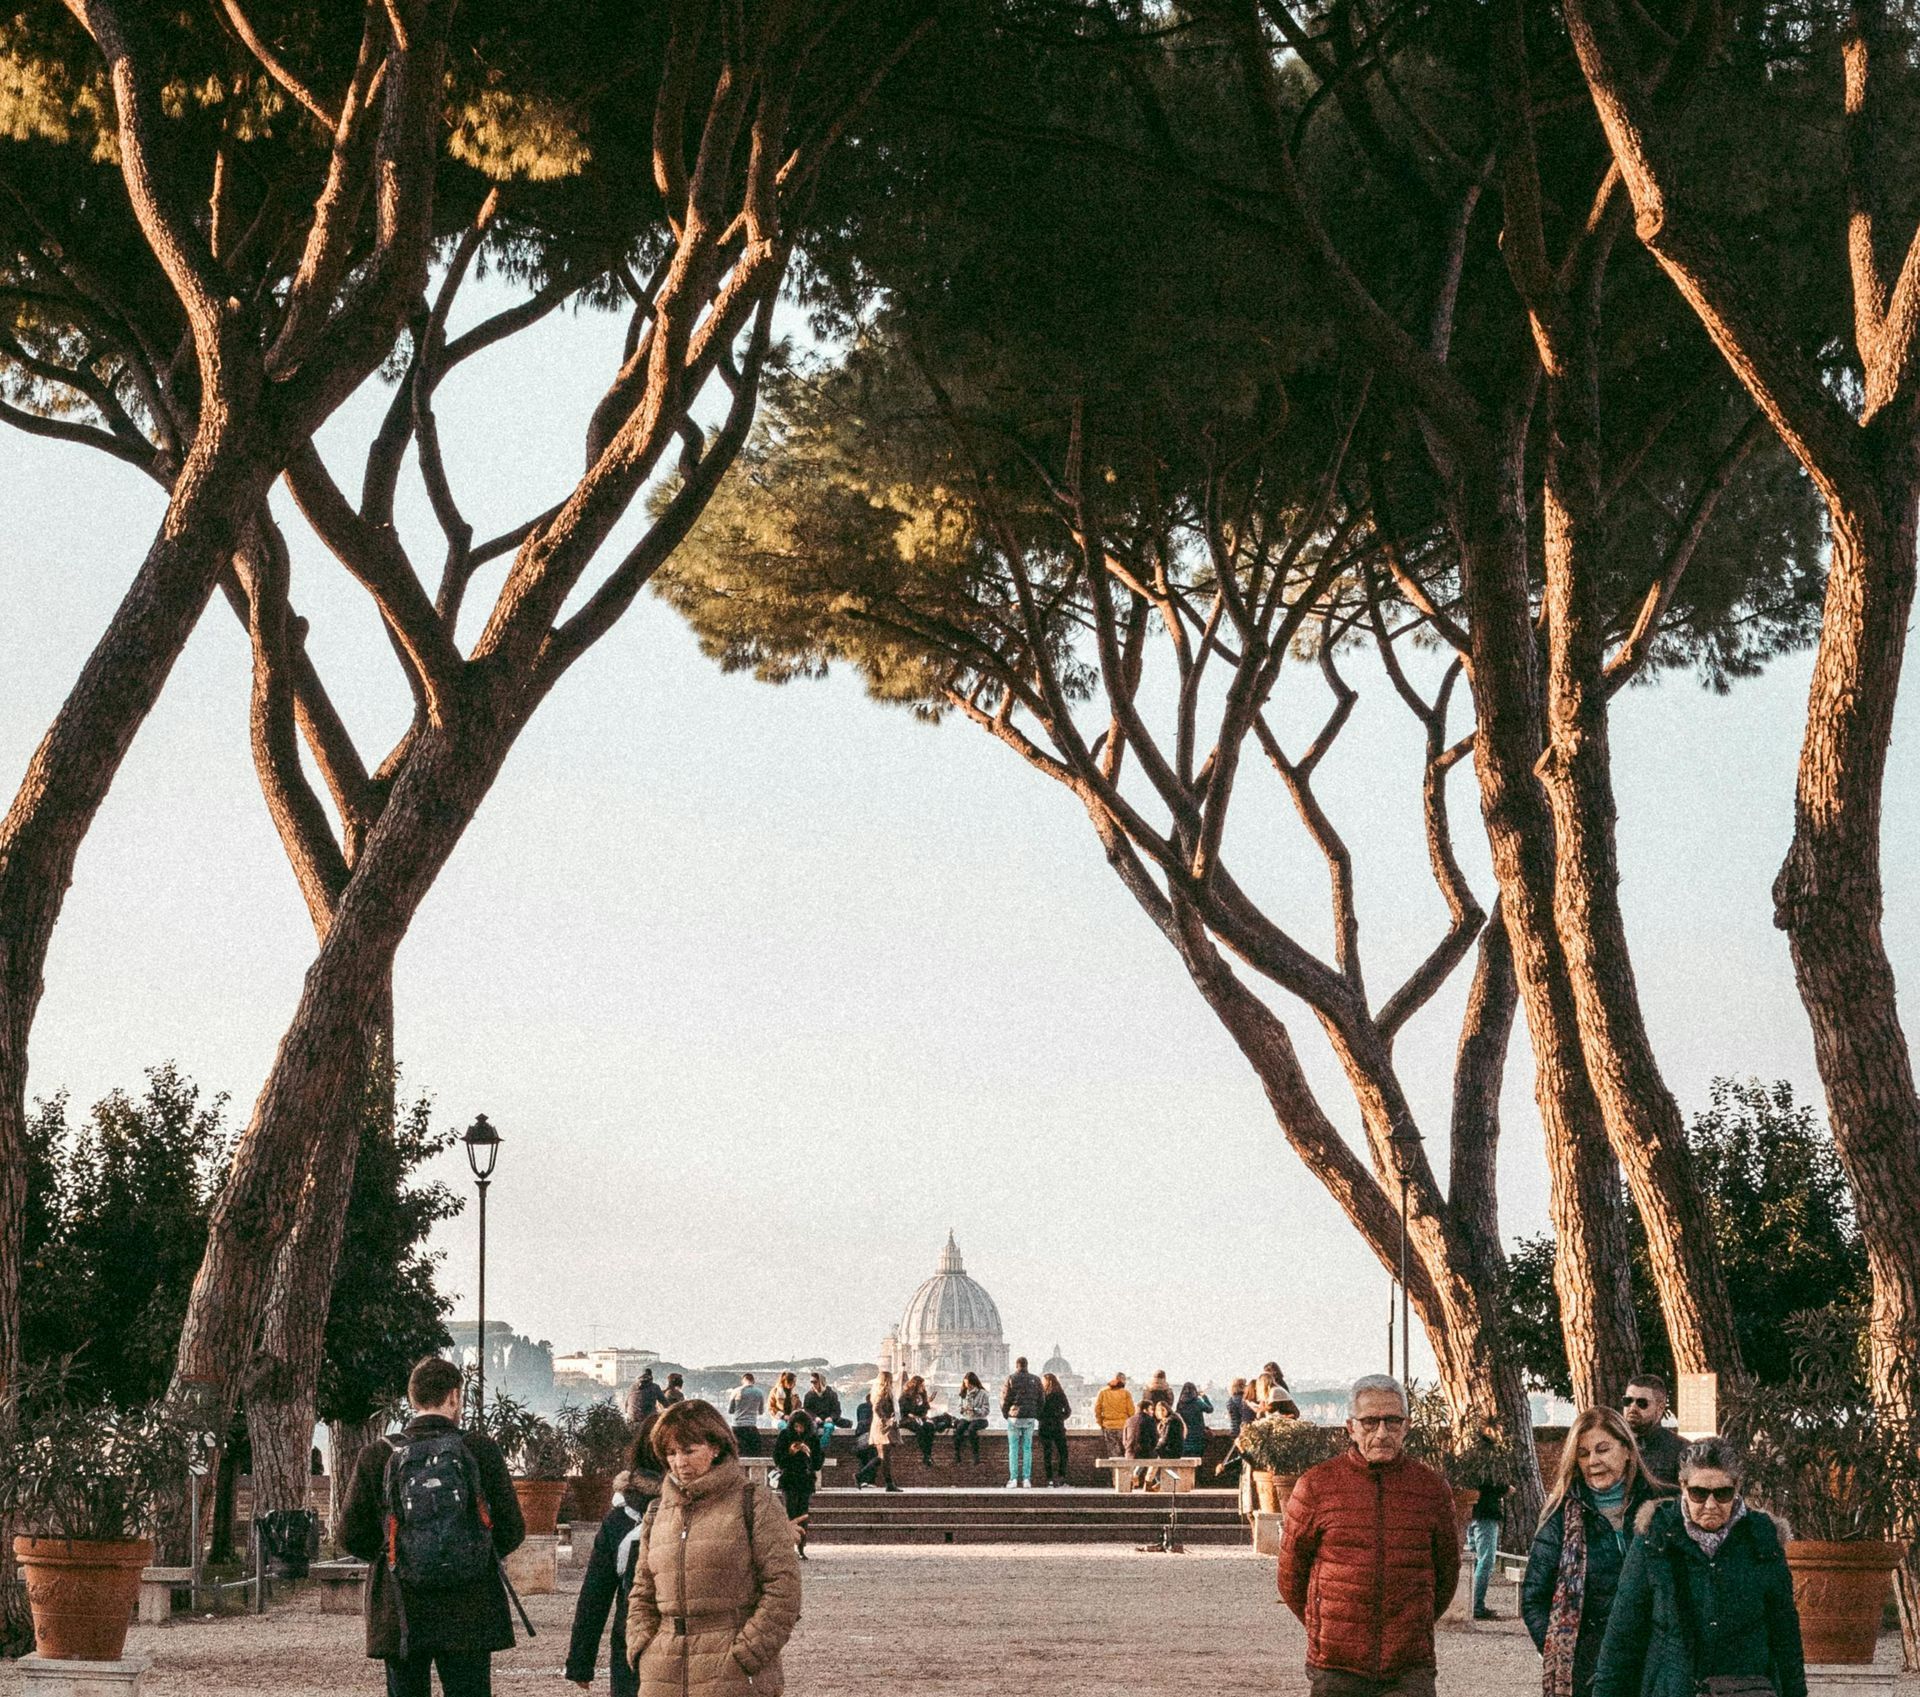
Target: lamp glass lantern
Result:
[483, 1147]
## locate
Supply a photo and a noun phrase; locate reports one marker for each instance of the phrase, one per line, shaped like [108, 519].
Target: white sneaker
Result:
[1013, 1484]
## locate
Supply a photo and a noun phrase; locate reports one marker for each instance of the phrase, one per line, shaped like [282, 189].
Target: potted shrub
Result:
[599, 1437]
[1478, 1460]
[539, 1456]
[1822, 1459]
[1279, 1449]
[85, 1482]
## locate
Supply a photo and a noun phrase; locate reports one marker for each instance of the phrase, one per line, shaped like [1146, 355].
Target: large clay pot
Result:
[591, 1495]
[1283, 1484]
[82, 1594]
[1841, 1591]
[540, 1504]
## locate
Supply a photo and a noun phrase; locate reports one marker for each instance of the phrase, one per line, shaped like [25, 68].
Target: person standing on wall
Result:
[1055, 1412]
[1112, 1409]
[1020, 1403]
[436, 1599]
[744, 1408]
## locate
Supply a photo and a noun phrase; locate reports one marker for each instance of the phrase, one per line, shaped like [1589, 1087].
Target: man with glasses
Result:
[1370, 1556]
[1645, 1406]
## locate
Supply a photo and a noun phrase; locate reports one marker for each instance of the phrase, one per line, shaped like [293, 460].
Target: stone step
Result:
[1021, 1532]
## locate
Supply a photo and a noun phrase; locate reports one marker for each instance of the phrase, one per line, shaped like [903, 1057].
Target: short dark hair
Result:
[676, 1378]
[1020, 1364]
[1652, 1382]
[692, 1422]
[746, 1378]
[432, 1381]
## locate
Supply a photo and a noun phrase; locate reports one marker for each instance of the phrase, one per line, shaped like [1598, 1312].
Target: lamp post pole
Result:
[483, 1149]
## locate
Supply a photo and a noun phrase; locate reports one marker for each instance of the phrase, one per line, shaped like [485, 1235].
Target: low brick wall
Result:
[1084, 1450]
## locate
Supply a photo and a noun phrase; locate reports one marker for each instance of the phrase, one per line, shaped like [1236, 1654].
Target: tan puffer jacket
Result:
[707, 1614]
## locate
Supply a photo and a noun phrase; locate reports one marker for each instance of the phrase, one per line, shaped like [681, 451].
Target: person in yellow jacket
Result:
[1112, 1409]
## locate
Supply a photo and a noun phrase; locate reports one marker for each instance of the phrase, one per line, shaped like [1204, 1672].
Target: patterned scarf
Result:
[1569, 1590]
[1710, 1542]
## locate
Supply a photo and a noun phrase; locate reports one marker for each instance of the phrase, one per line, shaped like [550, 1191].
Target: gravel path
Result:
[980, 1621]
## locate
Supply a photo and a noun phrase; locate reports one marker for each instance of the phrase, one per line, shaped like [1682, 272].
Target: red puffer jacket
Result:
[1369, 1558]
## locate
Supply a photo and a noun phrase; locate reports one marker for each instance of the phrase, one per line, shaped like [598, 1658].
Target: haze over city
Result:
[768, 989]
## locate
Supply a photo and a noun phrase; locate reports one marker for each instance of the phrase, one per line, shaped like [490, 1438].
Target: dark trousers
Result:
[874, 1464]
[1053, 1452]
[1334, 1682]
[967, 1432]
[922, 1431]
[463, 1673]
[748, 1438]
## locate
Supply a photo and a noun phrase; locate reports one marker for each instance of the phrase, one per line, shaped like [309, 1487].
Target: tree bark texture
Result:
[283, 1379]
[1643, 1121]
[1591, 1277]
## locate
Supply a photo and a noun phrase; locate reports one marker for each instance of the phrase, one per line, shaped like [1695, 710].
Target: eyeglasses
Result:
[1636, 1402]
[1701, 1495]
[1374, 1422]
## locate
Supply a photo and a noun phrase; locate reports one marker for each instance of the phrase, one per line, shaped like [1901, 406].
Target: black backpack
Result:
[439, 1530]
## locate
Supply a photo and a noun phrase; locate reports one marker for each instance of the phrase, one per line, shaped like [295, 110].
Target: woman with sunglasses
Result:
[1581, 1546]
[1705, 1602]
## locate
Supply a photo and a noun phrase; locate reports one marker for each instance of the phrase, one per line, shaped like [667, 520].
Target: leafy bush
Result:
[534, 1447]
[1281, 1444]
[598, 1434]
[86, 1469]
[1819, 1454]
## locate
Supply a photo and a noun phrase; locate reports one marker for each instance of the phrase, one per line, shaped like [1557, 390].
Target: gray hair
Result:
[1713, 1455]
[1385, 1383]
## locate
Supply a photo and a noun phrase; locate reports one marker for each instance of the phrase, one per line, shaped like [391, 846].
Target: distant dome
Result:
[1058, 1365]
[949, 1305]
[950, 1327]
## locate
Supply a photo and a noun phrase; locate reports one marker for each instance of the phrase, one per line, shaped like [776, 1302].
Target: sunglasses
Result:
[1701, 1495]
[1636, 1402]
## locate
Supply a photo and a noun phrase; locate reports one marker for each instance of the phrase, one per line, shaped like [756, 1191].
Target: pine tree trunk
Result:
[346, 1440]
[1828, 899]
[1643, 1121]
[284, 1377]
[1590, 1270]
[317, 1066]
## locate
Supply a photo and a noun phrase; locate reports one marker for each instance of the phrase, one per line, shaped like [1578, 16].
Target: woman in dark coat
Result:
[1193, 1409]
[796, 1459]
[1055, 1411]
[1705, 1595]
[916, 1416]
[603, 1589]
[1574, 1568]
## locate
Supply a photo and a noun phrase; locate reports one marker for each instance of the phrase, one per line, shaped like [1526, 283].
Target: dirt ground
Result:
[980, 1621]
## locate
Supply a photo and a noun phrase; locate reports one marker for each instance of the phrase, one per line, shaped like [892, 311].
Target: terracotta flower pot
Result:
[540, 1503]
[1841, 1591]
[82, 1594]
[591, 1495]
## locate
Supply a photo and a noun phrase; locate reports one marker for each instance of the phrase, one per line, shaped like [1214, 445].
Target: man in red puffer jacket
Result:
[1370, 1556]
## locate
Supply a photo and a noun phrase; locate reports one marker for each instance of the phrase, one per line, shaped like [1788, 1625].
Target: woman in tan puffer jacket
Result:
[716, 1584]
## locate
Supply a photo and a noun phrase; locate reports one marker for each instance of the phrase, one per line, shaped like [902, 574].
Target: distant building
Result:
[1079, 1392]
[611, 1368]
[950, 1327]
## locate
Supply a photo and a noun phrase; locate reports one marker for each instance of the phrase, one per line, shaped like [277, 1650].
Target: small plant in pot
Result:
[599, 1437]
[1843, 1477]
[539, 1456]
[85, 1483]
[1279, 1449]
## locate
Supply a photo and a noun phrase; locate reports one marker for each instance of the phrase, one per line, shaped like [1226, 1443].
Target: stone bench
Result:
[1180, 1470]
[339, 1584]
[157, 1586]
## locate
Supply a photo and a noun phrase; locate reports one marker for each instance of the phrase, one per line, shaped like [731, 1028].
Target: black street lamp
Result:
[483, 1149]
[1405, 1143]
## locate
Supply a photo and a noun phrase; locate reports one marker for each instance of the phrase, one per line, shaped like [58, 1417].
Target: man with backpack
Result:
[432, 1511]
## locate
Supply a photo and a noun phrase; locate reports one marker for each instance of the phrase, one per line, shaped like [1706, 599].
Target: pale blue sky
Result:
[768, 988]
